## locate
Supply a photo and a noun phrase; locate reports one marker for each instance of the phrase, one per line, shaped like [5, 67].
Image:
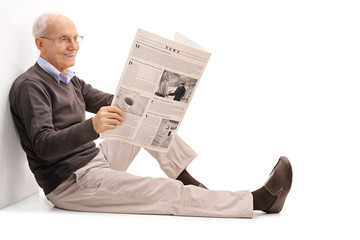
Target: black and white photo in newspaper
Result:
[156, 86]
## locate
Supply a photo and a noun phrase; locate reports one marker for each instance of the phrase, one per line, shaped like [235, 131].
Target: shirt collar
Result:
[56, 74]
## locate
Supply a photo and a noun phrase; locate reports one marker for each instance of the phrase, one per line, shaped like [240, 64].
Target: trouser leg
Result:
[120, 155]
[99, 188]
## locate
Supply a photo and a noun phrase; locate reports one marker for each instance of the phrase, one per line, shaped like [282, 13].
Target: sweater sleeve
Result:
[94, 98]
[34, 107]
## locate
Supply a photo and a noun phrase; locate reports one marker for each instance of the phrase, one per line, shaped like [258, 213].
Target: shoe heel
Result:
[278, 205]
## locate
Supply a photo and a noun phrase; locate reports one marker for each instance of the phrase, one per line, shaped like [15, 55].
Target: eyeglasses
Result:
[66, 40]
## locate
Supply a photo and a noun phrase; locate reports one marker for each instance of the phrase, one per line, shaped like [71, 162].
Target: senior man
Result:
[48, 104]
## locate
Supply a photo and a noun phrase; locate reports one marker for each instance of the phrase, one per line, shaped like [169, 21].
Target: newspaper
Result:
[157, 84]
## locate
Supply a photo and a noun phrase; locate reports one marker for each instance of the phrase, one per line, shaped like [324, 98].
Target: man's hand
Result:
[107, 118]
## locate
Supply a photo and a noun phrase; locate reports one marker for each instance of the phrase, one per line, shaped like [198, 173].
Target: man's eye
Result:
[62, 38]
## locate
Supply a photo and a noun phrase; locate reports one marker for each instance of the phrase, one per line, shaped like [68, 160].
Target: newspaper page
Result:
[157, 84]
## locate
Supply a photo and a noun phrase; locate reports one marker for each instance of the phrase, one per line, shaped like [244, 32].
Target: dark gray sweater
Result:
[50, 119]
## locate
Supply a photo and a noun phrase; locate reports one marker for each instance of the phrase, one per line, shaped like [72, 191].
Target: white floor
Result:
[35, 216]
[306, 215]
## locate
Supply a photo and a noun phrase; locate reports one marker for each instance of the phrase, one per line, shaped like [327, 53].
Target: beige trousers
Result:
[104, 186]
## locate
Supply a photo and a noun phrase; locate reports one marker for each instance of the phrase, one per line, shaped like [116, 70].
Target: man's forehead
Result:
[61, 26]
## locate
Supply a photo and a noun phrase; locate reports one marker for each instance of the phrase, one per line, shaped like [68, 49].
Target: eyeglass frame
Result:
[68, 39]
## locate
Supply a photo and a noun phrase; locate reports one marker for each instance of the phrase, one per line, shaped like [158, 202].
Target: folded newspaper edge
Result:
[155, 88]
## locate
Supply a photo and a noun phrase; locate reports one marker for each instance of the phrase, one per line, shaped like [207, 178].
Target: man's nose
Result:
[73, 44]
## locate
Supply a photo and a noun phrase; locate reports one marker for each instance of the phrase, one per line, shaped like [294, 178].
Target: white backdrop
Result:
[282, 80]
[17, 54]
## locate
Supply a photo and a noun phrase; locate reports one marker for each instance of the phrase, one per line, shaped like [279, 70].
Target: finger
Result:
[113, 122]
[107, 113]
[115, 116]
[111, 109]
[109, 127]
[117, 110]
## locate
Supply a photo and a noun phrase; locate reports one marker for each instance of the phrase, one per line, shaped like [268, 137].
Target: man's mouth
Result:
[70, 55]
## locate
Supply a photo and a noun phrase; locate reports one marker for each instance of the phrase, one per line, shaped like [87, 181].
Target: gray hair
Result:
[40, 24]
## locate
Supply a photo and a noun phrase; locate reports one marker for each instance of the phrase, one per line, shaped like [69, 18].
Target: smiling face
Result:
[61, 56]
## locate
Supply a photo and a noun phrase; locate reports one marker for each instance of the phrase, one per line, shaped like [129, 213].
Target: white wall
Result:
[284, 73]
[17, 54]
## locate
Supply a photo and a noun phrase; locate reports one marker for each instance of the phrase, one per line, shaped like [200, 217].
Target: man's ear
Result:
[40, 44]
